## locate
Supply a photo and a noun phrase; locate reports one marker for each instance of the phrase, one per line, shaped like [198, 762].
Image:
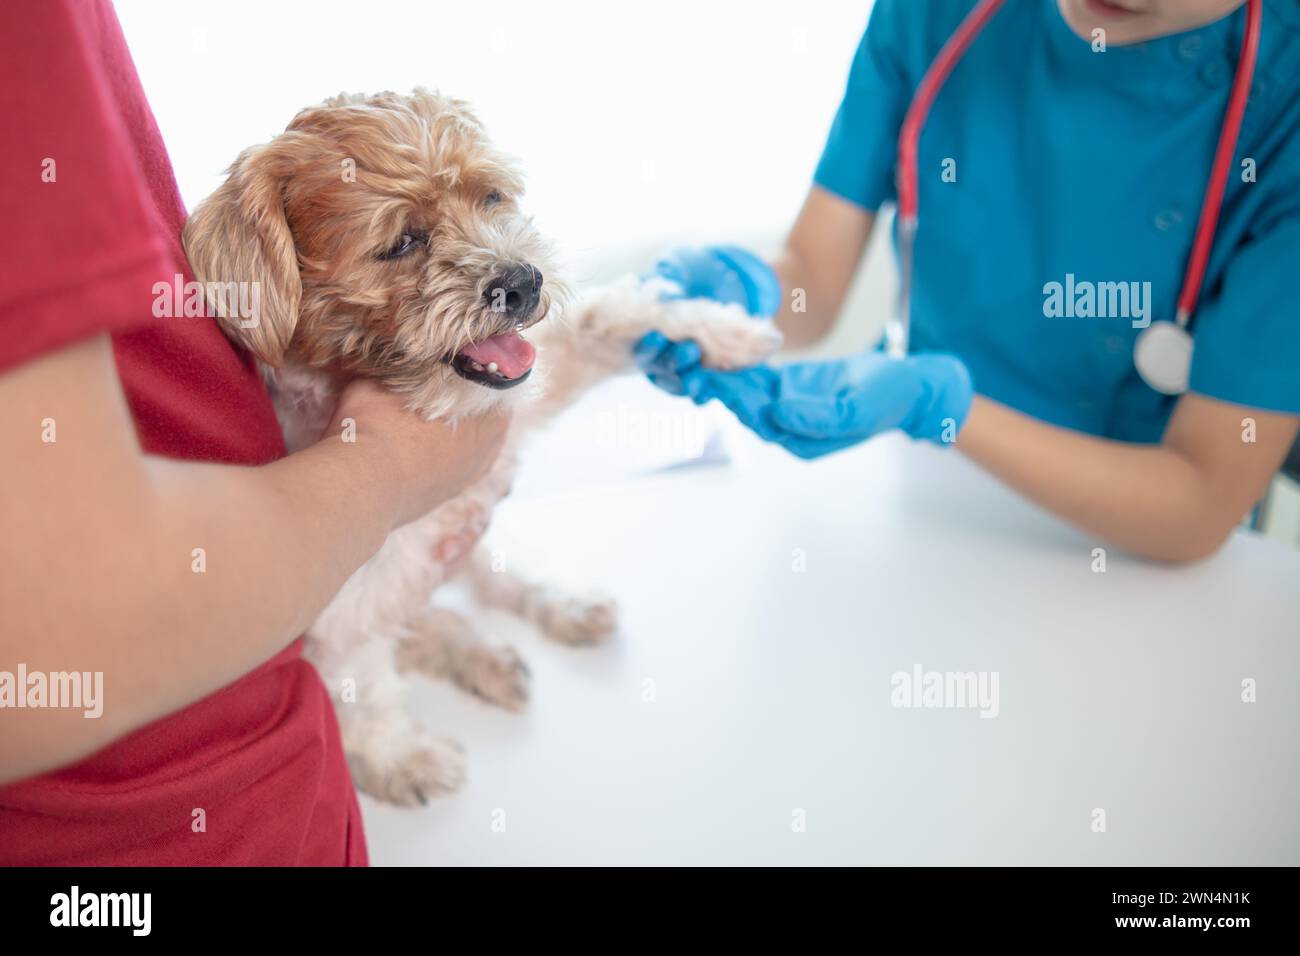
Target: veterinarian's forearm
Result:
[806, 315]
[1146, 499]
[817, 265]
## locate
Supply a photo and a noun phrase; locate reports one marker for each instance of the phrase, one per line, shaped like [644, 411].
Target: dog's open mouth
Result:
[503, 361]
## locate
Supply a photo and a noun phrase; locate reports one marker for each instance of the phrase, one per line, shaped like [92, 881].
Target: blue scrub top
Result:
[1074, 163]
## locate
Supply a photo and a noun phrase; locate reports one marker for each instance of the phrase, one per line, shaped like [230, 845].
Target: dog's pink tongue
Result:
[512, 353]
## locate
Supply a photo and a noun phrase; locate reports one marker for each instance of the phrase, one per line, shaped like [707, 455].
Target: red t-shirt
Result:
[91, 222]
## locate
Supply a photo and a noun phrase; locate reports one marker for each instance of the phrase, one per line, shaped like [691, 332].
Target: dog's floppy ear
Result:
[240, 247]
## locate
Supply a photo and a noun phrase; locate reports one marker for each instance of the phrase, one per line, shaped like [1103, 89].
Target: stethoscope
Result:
[1163, 350]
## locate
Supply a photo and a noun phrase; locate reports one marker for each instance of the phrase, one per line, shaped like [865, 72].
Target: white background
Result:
[638, 125]
[644, 125]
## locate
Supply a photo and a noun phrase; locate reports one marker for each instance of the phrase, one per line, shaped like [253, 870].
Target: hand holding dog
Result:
[424, 463]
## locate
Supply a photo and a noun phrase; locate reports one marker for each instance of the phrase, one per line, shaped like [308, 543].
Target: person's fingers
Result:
[745, 394]
[648, 350]
[761, 286]
[684, 355]
[852, 415]
[885, 397]
[668, 383]
[659, 355]
[811, 417]
[699, 383]
[674, 365]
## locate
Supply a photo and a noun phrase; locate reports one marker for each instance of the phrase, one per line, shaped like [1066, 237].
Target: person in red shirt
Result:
[153, 529]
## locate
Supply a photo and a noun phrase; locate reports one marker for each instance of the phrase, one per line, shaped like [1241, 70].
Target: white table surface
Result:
[771, 688]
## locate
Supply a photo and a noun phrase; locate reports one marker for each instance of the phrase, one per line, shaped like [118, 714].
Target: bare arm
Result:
[1177, 501]
[97, 556]
[821, 256]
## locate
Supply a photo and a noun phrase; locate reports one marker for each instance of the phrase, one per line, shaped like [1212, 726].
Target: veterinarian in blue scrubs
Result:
[1062, 173]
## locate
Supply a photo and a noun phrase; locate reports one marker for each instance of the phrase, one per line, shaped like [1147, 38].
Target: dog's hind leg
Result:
[560, 615]
[391, 757]
[443, 643]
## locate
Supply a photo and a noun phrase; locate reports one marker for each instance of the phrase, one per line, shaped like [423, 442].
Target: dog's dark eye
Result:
[407, 243]
[493, 198]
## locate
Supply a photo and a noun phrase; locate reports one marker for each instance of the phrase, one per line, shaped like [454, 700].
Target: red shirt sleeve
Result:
[80, 247]
[81, 251]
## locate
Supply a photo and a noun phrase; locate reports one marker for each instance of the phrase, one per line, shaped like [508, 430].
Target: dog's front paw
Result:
[728, 337]
[619, 315]
[580, 620]
[497, 674]
[409, 775]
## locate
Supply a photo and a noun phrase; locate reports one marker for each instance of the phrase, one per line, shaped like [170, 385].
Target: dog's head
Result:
[379, 236]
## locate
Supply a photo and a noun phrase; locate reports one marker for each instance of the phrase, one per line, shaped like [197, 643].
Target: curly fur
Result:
[333, 306]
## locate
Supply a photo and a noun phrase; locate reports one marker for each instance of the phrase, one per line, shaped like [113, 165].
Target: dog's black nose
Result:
[515, 291]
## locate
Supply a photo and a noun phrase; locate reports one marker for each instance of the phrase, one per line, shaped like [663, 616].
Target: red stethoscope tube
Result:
[1223, 155]
[909, 136]
[950, 55]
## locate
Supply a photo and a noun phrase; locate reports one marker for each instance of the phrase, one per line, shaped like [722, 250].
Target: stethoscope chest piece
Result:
[1163, 356]
[1163, 350]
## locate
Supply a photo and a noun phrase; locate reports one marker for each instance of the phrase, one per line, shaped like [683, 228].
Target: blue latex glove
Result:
[665, 362]
[724, 274]
[815, 408]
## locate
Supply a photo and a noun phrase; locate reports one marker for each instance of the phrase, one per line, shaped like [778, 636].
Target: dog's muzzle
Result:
[514, 291]
[482, 363]
[505, 359]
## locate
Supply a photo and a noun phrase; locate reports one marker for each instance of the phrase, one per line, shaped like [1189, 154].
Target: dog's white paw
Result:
[411, 774]
[581, 620]
[617, 315]
[728, 337]
[497, 674]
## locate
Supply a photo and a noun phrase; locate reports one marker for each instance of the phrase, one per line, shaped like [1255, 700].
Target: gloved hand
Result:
[724, 274]
[815, 408]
